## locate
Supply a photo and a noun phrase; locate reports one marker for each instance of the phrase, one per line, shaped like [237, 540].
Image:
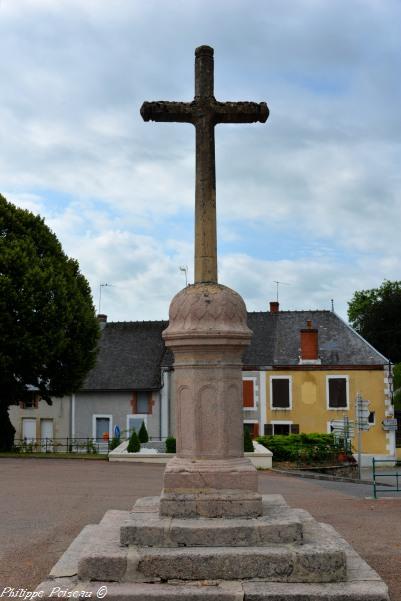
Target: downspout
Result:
[73, 415]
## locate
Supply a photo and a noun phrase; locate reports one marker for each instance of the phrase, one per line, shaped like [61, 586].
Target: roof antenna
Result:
[185, 270]
[332, 305]
[102, 284]
[277, 284]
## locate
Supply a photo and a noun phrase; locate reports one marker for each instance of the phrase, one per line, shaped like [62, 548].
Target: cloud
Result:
[312, 197]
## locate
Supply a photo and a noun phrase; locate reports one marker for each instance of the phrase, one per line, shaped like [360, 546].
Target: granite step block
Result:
[279, 563]
[279, 524]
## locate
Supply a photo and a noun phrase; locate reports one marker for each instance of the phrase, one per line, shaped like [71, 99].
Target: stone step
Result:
[279, 524]
[278, 563]
[221, 591]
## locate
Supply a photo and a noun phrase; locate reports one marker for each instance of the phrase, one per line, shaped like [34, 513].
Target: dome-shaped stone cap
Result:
[207, 309]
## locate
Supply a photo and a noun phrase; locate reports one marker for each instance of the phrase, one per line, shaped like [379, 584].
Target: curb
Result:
[329, 477]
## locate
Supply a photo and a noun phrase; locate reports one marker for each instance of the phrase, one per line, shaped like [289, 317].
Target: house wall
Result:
[58, 412]
[115, 404]
[310, 405]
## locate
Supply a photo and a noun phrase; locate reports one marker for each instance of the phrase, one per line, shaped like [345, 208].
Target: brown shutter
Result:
[247, 393]
[255, 430]
[268, 430]
[134, 402]
[294, 428]
[337, 392]
[281, 393]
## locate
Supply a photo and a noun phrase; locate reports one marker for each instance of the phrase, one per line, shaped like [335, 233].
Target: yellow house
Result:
[305, 369]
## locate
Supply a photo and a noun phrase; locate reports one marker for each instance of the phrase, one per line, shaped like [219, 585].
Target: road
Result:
[44, 503]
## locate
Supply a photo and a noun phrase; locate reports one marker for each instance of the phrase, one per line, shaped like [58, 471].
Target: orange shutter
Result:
[247, 393]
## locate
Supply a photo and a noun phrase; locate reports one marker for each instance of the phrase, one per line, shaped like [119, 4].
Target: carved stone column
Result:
[209, 476]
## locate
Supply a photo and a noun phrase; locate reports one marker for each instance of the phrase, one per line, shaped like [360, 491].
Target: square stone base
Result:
[320, 566]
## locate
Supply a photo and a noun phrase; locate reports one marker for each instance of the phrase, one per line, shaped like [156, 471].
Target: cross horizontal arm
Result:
[167, 111]
[240, 112]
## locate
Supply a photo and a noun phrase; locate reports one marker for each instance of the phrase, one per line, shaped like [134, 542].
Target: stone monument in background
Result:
[211, 535]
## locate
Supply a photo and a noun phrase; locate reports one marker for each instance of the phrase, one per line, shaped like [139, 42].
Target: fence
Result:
[62, 445]
[388, 487]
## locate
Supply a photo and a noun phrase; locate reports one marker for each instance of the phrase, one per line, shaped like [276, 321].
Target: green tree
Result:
[143, 435]
[48, 326]
[397, 376]
[134, 446]
[248, 445]
[376, 315]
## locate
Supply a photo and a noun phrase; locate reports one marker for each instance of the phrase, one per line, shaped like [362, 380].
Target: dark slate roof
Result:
[276, 340]
[132, 353]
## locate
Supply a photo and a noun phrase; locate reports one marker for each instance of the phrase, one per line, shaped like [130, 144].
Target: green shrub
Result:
[302, 448]
[134, 446]
[143, 433]
[114, 443]
[170, 444]
[248, 446]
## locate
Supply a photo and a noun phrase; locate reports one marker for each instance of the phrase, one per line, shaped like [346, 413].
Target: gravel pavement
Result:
[44, 503]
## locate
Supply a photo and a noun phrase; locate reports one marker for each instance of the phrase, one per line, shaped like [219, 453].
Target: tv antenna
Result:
[184, 268]
[277, 285]
[102, 285]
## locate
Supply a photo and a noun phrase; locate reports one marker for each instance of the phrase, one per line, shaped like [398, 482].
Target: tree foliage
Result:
[134, 446]
[143, 435]
[376, 315]
[248, 444]
[48, 326]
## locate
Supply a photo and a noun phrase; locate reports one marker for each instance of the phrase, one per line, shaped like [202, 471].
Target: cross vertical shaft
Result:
[205, 188]
[204, 112]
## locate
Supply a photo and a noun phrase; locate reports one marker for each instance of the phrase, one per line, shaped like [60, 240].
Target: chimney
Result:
[274, 306]
[102, 319]
[309, 343]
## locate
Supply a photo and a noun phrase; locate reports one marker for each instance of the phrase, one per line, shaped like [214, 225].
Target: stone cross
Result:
[204, 112]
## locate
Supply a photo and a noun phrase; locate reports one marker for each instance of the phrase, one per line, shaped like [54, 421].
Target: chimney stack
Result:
[102, 319]
[274, 306]
[309, 343]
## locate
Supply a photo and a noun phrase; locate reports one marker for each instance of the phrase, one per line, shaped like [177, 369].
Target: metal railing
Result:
[388, 487]
[62, 445]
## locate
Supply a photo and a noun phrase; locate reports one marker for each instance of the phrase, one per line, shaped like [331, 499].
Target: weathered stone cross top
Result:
[205, 112]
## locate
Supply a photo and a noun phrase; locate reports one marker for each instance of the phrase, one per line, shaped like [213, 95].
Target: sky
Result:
[311, 198]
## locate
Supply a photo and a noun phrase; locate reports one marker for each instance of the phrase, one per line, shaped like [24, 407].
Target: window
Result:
[337, 392]
[30, 401]
[252, 428]
[371, 418]
[280, 392]
[140, 402]
[248, 395]
[281, 428]
[134, 422]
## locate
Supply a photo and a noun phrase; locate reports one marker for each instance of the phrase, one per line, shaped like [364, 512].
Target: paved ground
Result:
[44, 503]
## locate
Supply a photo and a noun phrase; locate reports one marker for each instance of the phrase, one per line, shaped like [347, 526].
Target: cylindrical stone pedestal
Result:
[209, 476]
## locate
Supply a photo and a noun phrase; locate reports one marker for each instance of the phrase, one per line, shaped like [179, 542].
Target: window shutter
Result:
[268, 430]
[247, 393]
[337, 392]
[134, 402]
[281, 393]
[294, 428]
[255, 430]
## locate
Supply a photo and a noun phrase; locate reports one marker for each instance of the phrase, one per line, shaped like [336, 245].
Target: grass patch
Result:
[91, 456]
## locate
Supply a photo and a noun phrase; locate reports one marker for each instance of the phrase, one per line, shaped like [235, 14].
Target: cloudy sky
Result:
[312, 198]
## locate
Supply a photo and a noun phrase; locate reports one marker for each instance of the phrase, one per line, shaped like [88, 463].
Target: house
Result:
[306, 368]
[127, 386]
[301, 373]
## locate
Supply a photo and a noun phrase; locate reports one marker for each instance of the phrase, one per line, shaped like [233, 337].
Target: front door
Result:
[28, 429]
[46, 433]
[102, 428]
